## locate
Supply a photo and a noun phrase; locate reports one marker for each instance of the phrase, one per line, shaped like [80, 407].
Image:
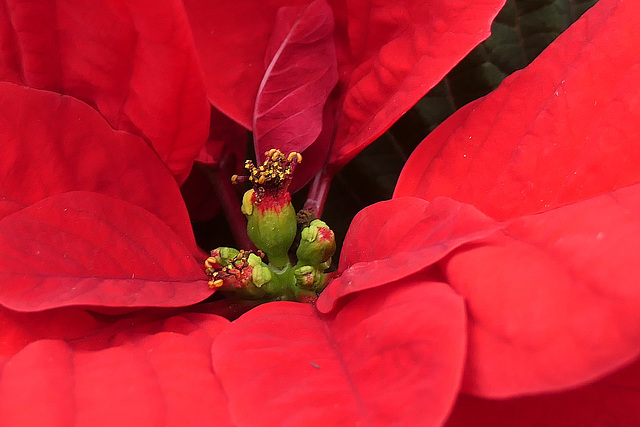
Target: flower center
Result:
[235, 272]
[272, 178]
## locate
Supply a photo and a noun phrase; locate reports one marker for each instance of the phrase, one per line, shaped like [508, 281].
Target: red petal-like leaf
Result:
[20, 329]
[135, 62]
[52, 144]
[612, 401]
[8, 207]
[562, 130]
[389, 55]
[389, 356]
[394, 239]
[553, 300]
[231, 39]
[82, 248]
[301, 71]
[151, 374]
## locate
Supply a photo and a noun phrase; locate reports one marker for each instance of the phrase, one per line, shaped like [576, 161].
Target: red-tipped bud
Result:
[317, 244]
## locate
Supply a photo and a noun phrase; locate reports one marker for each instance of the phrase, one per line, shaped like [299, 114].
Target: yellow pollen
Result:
[293, 154]
[274, 175]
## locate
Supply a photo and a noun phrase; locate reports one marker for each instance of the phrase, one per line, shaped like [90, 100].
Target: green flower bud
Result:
[271, 226]
[244, 274]
[260, 273]
[306, 276]
[220, 257]
[271, 219]
[317, 244]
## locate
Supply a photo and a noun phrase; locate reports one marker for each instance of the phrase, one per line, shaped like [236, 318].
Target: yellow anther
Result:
[293, 154]
[234, 179]
[216, 283]
[262, 179]
[209, 262]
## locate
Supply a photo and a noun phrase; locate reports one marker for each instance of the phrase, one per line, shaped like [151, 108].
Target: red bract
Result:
[392, 240]
[389, 355]
[611, 401]
[143, 370]
[389, 55]
[552, 298]
[105, 244]
[560, 131]
[53, 144]
[133, 61]
[91, 217]
[301, 71]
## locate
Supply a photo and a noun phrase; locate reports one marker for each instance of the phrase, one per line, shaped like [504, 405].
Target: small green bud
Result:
[306, 276]
[260, 273]
[317, 244]
[220, 257]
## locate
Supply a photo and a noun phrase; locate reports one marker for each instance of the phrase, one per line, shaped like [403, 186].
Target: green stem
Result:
[282, 283]
[279, 262]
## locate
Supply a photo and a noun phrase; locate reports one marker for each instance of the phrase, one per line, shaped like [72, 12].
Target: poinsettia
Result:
[103, 112]
[539, 239]
[434, 294]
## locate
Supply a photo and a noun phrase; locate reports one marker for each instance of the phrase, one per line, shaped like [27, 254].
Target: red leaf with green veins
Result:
[377, 361]
[562, 130]
[391, 240]
[53, 144]
[132, 61]
[134, 372]
[82, 248]
[301, 71]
